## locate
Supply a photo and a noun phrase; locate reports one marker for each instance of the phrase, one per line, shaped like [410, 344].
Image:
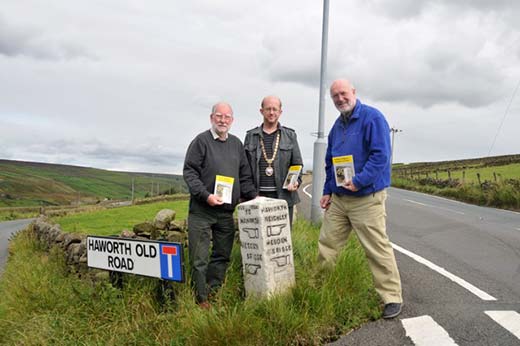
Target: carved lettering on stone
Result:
[266, 246]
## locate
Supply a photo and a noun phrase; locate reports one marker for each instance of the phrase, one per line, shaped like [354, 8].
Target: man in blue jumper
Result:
[357, 165]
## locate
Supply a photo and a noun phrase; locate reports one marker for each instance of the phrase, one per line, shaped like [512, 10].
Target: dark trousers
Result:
[274, 194]
[209, 270]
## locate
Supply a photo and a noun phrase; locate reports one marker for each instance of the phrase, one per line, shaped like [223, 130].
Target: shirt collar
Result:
[277, 128]
[216, 136]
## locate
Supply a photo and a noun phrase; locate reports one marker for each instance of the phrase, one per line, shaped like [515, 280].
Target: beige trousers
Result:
[367, 217]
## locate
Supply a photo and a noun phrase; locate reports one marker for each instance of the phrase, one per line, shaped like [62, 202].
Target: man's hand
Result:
[325, 202]
[214, 200]
[293, 187]
[349, 185]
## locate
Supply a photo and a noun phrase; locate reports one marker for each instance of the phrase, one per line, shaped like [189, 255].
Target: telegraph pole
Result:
[320, 146]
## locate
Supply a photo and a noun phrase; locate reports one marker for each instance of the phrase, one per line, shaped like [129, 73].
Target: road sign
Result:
[141, 257]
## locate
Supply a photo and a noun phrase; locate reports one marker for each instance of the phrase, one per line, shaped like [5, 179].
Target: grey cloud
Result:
[282, 66]
[461, 81]
[405, 9]
[32, 43]
[107, 153]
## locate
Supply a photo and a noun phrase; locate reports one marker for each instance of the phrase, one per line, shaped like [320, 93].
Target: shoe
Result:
[205, 305]
[391, 310]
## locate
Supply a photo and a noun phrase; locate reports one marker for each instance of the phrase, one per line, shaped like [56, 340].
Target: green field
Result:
[491, 181]
[44, 305]
[113, 221]
[469, 175]
[41, 184]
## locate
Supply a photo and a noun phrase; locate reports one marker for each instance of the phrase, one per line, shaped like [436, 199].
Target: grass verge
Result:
[42, 305]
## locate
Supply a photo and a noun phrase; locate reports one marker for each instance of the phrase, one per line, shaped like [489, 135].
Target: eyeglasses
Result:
[271, 109]
[220, 116]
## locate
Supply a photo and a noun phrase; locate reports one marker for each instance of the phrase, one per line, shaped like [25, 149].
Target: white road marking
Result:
[434, 206]
[409, 200]
[510, 320]
[305, 190]
[424, 331]
[476, 291]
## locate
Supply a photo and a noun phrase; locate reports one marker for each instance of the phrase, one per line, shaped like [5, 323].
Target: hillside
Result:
[458, 164]
[34, 184]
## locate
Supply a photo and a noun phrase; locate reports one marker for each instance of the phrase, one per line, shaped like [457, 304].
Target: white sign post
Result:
[266, 246]
[149, 258]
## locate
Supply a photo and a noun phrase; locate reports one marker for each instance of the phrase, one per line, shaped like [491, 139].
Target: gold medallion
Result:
[269, 170]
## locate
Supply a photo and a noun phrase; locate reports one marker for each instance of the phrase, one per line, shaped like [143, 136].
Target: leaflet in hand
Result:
[224, 188]
[343, 169]
[292, 175]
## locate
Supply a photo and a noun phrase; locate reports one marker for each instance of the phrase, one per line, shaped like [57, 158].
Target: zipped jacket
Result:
[288, 155]
[366, 136]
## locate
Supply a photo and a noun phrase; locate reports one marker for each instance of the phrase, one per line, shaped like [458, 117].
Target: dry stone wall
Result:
[74, 245]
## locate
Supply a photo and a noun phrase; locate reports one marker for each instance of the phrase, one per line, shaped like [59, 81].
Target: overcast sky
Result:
[126, 85]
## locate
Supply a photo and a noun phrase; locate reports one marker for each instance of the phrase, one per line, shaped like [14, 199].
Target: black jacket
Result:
[288, 155]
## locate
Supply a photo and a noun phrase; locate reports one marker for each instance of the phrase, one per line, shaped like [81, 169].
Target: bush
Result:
[504, 194]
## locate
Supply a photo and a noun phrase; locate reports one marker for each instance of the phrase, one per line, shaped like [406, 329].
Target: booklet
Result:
[343, 168]
[292, 175]
[224, 188]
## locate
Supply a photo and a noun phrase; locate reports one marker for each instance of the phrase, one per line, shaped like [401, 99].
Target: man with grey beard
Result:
[359, 143]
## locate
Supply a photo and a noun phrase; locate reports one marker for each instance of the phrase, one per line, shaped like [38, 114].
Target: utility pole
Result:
[320, 146]
[393, 130]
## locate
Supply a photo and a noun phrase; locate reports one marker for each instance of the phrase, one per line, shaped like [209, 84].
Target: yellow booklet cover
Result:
[292, 175]
[343, 169]
[224, 188]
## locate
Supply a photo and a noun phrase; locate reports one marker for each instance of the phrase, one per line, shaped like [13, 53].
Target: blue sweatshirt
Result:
[366, 137]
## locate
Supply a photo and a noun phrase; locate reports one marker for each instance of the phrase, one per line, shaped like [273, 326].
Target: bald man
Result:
[271, 149]
[213, 153]
[361, 137]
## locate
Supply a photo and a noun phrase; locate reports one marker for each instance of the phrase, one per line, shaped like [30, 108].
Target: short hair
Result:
[214, 108]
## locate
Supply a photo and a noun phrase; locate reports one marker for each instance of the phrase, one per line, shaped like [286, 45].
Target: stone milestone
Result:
[266, 246]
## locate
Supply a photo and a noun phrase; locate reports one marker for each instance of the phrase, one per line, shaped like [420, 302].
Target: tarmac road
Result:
[6, 229]
[460, 272]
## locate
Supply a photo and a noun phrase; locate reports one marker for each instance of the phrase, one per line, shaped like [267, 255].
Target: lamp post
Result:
[320, 146]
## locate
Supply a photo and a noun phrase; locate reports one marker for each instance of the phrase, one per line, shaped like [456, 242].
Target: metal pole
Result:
[320, 146]
[393, 130]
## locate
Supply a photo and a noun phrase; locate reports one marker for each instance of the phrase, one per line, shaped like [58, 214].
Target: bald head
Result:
[343, 95]
[271, 99]
[271, 111]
